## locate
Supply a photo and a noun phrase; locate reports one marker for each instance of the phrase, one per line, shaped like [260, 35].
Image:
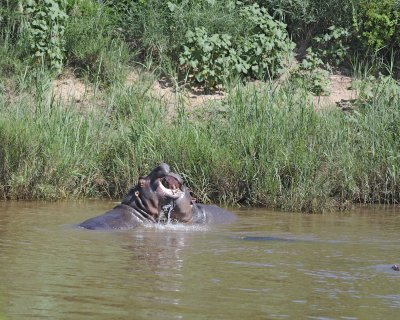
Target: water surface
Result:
[266, 265]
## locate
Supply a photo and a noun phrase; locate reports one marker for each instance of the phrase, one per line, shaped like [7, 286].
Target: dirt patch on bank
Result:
[68, 89]
[340, 91]
[171, 96]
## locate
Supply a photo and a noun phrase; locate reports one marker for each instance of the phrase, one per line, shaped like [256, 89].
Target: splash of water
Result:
[177, 227]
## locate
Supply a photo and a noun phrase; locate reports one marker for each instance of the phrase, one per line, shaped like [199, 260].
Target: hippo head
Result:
[149, 193]
[179, 207]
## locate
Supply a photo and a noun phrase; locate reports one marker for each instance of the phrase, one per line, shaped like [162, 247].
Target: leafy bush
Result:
[158, 28]
[377, 24]
[260, 52]
[266, 45]
[312, 73]
[45, 28]
[333, 46]
[329, 50]
[208, 59]
[307, 19]
[233, 38]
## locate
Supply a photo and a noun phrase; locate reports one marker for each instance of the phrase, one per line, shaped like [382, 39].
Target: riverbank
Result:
[94, 94]
[257, 145]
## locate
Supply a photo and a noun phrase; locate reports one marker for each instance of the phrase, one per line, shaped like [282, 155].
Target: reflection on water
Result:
[265, 265]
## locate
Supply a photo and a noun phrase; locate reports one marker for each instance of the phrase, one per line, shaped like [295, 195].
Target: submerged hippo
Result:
[151, 201]
[141, 204]
[182, 207]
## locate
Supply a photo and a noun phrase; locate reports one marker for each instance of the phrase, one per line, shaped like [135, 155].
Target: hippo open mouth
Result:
[180, 205]
[171, 186]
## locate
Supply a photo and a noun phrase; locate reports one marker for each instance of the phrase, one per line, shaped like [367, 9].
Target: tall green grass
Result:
[260, 146]
[49, 150]
[94, 47]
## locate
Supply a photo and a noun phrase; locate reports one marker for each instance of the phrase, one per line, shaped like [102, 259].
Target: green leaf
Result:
[171, 6]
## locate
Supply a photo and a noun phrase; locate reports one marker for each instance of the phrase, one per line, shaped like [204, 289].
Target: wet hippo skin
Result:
[185, 210]
[150, 201]
[141, 204]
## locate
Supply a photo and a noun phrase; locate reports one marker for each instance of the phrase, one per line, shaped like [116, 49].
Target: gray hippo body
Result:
[120, 217]
[211, 214]
[183, 209]
[141, 204]
[150, 201]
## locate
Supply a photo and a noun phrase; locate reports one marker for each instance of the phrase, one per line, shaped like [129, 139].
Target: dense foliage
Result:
[205, 41]
[259, 53]
[45, 28]
[377, 24]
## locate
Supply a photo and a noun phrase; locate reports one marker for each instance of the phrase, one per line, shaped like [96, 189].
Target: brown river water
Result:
[265, 265]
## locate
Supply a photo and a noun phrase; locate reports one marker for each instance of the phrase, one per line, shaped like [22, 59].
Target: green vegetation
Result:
[205, 42]
[377, 24]
[94, 47]
[260, 53]
[262, 145]
[45, 30]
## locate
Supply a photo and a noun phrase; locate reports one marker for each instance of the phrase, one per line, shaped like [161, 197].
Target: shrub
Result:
[312, 74]
[333, 46]
[208, 59]
[258, 53]
[157, 28]
[231, 38]
[45, 28]
[266, 46]
[307, 19]
[329, 50]
[377, 24]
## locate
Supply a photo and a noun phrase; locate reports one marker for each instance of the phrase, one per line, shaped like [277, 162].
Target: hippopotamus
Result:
[183, 208]
[141, 204]
[150, 201]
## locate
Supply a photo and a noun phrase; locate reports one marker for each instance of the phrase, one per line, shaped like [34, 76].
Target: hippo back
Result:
[212, 214]
[120, 217]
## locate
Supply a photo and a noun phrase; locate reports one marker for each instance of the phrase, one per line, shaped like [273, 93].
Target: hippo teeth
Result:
[166, 192]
